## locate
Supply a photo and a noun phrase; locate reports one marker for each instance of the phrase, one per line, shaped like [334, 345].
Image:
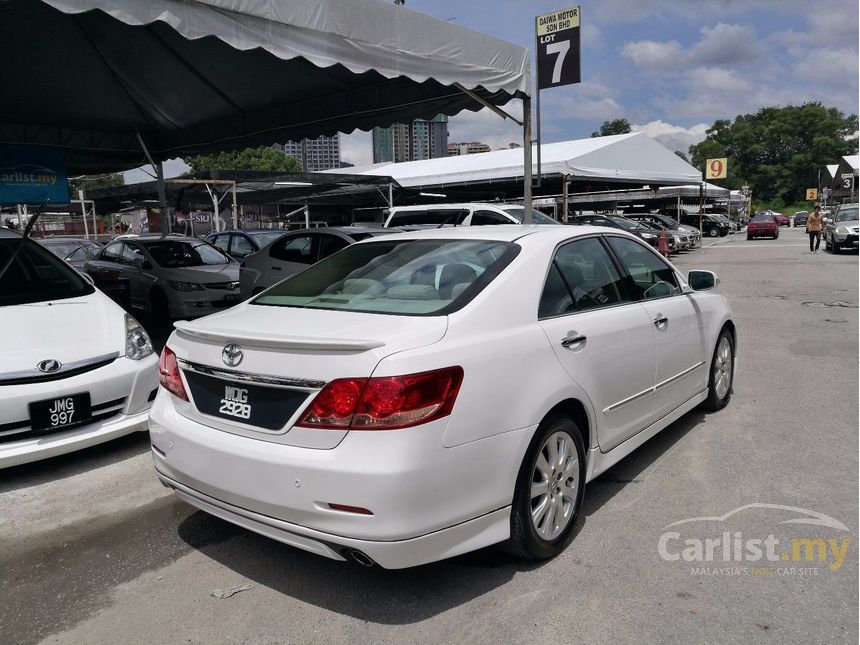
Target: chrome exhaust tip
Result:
[361, 558]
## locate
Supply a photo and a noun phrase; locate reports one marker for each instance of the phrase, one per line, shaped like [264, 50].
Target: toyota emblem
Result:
[49, 365]
[232, 354]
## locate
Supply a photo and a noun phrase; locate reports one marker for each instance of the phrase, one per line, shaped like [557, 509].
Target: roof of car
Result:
[453, 205]
[504, 232]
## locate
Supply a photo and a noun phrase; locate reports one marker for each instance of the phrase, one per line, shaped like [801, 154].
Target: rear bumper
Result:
[398, 554]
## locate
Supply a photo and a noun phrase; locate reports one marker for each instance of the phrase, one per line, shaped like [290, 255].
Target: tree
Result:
[616, 126]
[261, 158]
[89, 182]
[778, 151]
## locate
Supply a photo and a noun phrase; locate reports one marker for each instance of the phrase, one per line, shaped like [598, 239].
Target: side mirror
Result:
[702, 280]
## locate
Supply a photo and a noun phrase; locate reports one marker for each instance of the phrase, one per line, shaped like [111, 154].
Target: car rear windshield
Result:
[60, 249]
[266, 237]
[762, 218]
[405, 277]
[519, 213]
[36, 275]
[847, 214]
[439, 216]
[173, 254]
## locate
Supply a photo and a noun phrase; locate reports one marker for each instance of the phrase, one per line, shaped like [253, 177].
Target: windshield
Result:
[668, 222]
[172, 254]
[263, 238]
[37, 275]
[60, 249]
[847, 214]
[430, 215]
[405, 277]
[628, 225]
[762, 218]
[519, 213]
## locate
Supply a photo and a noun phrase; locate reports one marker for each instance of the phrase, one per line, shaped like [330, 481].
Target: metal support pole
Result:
[235, 209]
[84, 211]
[307, 216]
[162, 199]
[27, 217]
[390, 194]
[563, 196]
[527, 160]
[537, 127]
[95, 226]
[20, 219]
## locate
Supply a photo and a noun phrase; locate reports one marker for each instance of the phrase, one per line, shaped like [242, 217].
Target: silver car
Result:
[168, 276]
[843, 232]
[295, 252]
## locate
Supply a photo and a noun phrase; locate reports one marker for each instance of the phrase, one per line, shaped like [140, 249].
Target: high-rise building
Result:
[470, 148]
[321, 153]
[421, 139]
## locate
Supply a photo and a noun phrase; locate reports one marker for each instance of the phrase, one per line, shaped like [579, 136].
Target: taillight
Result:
[385, 403]
[168, 373]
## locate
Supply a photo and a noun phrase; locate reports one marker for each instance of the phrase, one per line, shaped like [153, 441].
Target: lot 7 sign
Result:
[558, 48]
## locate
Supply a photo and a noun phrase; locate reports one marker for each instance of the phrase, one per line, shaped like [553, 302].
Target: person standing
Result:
[814, 224]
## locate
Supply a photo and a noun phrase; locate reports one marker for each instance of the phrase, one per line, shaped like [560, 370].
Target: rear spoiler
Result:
[277, 341]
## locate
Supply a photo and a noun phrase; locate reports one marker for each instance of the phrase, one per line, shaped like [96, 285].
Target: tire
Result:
[827, 246]
[158, 302]
[834, 247]
[713, 232]
[545, 538]
[749, 237]
[720, 390]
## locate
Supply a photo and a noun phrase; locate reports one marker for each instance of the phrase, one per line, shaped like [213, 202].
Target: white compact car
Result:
[75, 369]
[414, 397]
[468, 214]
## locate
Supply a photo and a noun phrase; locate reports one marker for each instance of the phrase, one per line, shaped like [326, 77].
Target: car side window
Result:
[298, 248]
[483, 218]
[331, 244]
[221, 241]
[112, 252]
[581, 277]
[240, 246]
[650, 276]
[129, 253]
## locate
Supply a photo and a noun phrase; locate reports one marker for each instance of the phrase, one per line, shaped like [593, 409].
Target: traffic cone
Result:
[663, 244]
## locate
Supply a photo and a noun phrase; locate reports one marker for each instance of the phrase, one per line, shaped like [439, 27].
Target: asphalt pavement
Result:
[94, 550]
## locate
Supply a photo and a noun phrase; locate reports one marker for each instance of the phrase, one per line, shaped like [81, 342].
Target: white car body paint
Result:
[429, 495]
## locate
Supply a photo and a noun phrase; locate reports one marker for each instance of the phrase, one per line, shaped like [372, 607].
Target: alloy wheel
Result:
[723, 368]
[555, 486]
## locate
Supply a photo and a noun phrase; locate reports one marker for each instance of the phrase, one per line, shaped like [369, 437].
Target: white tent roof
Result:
[853, 161]
[624, 158]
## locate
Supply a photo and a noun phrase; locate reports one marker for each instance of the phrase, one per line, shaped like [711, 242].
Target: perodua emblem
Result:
[232, 354]
[49, 365]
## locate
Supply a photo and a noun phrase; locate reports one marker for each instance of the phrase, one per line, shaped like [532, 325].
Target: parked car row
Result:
[386, 350]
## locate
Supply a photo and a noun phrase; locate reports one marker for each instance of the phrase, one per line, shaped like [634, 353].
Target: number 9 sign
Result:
[716, 168]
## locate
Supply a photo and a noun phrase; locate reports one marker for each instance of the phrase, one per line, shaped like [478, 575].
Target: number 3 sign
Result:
[716, 168]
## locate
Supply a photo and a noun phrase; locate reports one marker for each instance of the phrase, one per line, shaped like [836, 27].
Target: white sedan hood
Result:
[65, 330]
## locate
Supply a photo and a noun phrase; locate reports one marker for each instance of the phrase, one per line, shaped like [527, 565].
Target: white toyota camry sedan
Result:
[75, 369]
[417, 396]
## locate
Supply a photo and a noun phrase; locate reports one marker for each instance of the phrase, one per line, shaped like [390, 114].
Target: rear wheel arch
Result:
[576, 412]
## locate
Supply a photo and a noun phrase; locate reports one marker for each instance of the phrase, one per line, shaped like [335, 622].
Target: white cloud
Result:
[487, 127]
[674, 137]
[357, 148]
[719, 45]
[172, 168]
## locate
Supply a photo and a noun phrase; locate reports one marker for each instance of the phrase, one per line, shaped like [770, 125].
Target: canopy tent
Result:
[630, 159]
[185, 77]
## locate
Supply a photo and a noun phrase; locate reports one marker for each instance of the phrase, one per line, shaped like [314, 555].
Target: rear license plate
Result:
[265, 407]
[61, 412]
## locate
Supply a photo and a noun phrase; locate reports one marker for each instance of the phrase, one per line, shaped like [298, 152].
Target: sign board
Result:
[811, 194]
[716, 168]
[847, 175]
[32, 175]
[846, 183]
[558, 48]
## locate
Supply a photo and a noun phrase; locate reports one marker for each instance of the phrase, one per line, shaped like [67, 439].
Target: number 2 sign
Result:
[716, 168]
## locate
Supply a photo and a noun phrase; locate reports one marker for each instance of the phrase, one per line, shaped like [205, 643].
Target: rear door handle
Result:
[573, 341]
[275, 268]
[661, 322]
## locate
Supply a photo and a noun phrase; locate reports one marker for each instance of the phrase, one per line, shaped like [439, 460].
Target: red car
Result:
[763, 226]
[781, 220]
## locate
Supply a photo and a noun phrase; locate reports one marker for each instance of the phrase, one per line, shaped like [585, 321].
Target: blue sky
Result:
[670, 67]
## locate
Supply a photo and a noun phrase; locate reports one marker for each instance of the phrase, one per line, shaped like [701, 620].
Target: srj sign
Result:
[32, 174]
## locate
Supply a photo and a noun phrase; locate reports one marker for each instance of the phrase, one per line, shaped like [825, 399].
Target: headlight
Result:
[137, 343]
[648, 236]
[185, 286]
[842, 230]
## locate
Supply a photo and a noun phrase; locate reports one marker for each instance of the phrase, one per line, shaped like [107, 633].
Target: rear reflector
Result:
[349, 509]
[385, 403]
